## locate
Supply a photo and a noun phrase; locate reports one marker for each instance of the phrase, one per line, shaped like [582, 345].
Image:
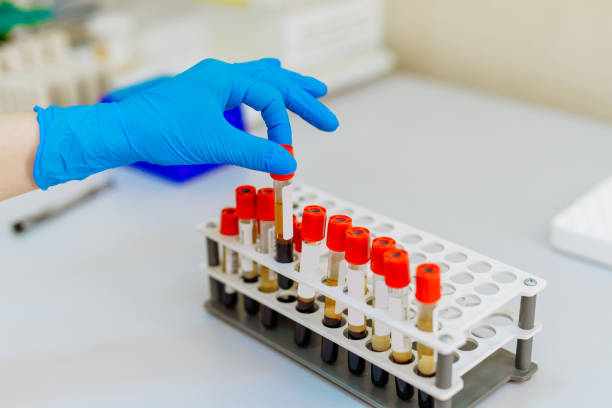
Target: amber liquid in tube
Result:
[425, 355]
[356, 364]
[331, 317]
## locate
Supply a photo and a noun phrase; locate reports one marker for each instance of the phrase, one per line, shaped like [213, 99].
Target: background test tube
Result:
[336, 241]
[246, 207]
[381, 333]
[313, 233]
[427, 295]
[397, 278]
[357, 256]
[229, 258]
[283, 219]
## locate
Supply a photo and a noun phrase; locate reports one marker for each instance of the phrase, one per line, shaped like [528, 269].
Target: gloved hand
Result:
[180, 121]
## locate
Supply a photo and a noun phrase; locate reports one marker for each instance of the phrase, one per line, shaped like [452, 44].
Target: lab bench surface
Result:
[103, 305]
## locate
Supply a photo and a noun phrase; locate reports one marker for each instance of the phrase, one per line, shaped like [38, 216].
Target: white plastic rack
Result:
[475, 317]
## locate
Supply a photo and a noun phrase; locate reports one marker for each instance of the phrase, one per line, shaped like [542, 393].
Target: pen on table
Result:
[22, 225]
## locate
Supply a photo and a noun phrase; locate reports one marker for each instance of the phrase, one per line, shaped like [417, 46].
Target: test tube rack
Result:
[475, 316]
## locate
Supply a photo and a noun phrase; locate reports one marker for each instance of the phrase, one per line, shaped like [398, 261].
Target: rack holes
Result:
[487, 289]
[504, 277]
[484, 332]
[447, 289]
[321, 298]
[480, 267]
[417, 259]
[211, 225]
[500, 319]
[297, 187]
[328, 204]
[308, 197]
[450, 313]
[402, 363]
[462, 278]
[347, 211]
[469, 345]
[286, 298]
[468, 301]
[456, 257]
[455, 357]
[446, 338]
[433, 248]
[346, 334]
[384, 228]
[411, 239]
[363, 220]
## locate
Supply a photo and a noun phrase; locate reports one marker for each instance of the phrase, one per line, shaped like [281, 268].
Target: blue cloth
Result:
[180, 121]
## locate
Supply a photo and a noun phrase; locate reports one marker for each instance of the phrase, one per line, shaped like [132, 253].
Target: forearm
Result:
[19, 137]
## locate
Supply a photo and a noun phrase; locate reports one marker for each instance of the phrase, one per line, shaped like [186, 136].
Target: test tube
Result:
[357, 255]
[427, 295]
[246, 207]
[397, 278]
[297, 237]
[313, 234]
[229, 258]
[381, 333]
[268, 282]
[336, 274]
[283, 211]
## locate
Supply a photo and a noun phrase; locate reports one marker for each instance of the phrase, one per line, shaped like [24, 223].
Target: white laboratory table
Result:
[103, 306]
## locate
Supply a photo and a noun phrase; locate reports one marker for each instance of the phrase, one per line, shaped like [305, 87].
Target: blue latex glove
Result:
[180, 121]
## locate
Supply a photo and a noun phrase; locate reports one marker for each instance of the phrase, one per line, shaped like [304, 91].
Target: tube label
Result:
[246, 238]
[287, 198]
[356, 289]
[309, 266]
[231, 261]
[397, 310]
[342, 271]
[381, 302]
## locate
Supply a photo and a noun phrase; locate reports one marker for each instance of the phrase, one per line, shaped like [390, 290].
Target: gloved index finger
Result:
[269, 101]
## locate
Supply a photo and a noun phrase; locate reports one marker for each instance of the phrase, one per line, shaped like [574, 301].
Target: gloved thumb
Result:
[245, 150]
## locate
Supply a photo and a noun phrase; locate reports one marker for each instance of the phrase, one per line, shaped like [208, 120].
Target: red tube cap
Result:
[379, 246]
[428, 283]
[297, 234]
[229, 221]
[313, 223]
[283, 177]
[357, 250]
[245, 202]
[336, 232]
[397, 272]
[265, 204]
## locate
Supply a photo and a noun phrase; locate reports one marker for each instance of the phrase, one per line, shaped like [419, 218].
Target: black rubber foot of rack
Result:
[425, 400]
[404, 390]
[251, 306]
[356, 364]
[302, 335]
[269, 317]
[329, 351]
[229, 300]
[380, 377]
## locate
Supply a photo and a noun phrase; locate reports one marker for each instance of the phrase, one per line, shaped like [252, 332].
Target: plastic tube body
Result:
[248, 238]
[425, 355]
[283, 220]
[336, 275]
[309, 266]
[356, 281]
[381, 337]
[401, 345]
[268, 282]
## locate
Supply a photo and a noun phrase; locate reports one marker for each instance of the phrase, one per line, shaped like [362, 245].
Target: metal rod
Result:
[526, 322]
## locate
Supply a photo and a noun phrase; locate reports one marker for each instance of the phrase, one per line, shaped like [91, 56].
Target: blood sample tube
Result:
[246, 207]
[267, 278]
[229, 258]
[427, 295]
[357, 255]
[397, 278]
[336, 274]
[313, 234]
[297, 237]
[381, 333]
[283, 211]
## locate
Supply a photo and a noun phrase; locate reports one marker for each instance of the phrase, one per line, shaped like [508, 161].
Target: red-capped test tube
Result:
[268, 282]
[297, 237]
[283, 217]
[397, 278]
[381, 332]
[229, 258]
[357, 255]
[336, 274]
[428, 293]
[265, 217]
[246, 204]
[314, 219]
